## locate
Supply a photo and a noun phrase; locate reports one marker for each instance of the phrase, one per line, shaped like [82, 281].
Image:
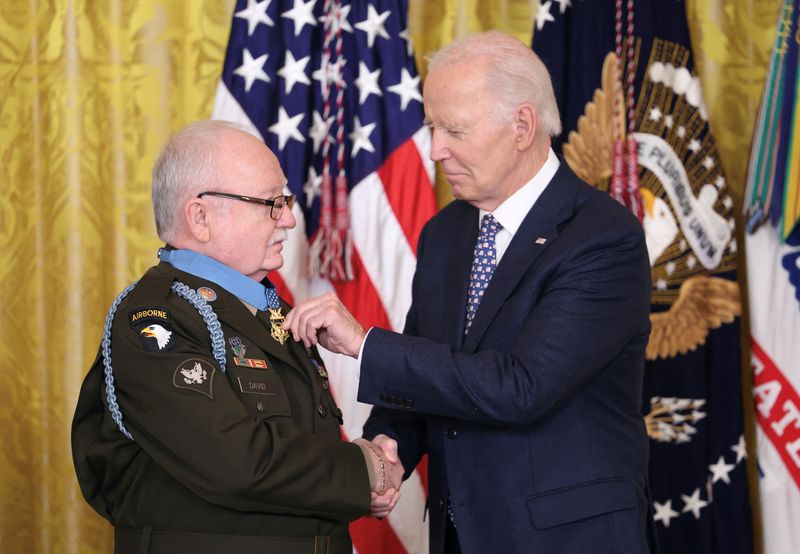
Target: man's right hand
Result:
[326, 321]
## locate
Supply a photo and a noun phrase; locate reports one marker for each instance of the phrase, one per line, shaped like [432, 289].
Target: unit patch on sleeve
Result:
[154, 329]
[195, 374]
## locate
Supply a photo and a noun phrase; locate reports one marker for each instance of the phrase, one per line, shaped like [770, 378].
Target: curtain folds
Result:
[89, 91]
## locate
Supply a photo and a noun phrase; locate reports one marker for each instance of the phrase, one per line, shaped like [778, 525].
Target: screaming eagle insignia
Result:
[687, 213]
[154, 329]
[195, 374]
[158, 333]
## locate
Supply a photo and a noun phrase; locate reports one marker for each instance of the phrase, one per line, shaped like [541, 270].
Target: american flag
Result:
[332, 88]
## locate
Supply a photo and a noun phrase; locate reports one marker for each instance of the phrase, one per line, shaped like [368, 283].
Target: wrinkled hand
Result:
[388, 446]
[326, 321]
[382, 504]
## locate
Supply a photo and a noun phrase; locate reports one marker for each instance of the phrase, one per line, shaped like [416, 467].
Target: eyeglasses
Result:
[276, 204]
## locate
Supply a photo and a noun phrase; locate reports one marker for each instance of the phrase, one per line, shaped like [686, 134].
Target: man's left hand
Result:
[382, 506]
[326, 321]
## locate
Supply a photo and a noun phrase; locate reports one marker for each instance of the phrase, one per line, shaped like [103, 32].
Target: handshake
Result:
[388, 473]
[324, 320]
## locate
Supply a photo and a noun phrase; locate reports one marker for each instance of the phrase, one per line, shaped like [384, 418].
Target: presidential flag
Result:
[773, 272]
[332, 88]
[636, 125]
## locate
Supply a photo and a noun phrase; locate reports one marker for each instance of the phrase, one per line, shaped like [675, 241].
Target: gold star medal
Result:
[275, 316]
[277, 331]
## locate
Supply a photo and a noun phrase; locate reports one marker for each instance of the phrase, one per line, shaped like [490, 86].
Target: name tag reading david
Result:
[252, 385]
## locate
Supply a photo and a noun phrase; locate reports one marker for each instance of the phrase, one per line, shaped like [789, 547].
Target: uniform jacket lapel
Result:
[235, 314]
[538, 231]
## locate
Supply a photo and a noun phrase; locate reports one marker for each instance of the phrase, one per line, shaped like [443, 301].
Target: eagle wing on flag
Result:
[703, 303]
[589, 151]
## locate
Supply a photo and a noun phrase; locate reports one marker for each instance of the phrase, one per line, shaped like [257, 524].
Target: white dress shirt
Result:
[509, 214]
[513, 210]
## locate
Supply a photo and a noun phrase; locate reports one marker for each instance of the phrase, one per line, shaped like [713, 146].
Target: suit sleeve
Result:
[592, 308]
[408, 429]
[215, 448]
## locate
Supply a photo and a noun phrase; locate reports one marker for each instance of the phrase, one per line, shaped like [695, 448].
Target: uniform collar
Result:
[246, 289]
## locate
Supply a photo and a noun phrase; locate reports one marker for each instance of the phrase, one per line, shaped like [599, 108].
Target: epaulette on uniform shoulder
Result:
[154, 286]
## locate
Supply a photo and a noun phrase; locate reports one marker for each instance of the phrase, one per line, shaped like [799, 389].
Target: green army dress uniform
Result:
[245, 460]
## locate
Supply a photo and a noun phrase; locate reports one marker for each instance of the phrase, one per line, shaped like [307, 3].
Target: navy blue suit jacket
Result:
[532, 422]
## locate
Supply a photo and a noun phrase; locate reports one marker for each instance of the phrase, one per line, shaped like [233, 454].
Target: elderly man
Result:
[200, 428]
[520, 367]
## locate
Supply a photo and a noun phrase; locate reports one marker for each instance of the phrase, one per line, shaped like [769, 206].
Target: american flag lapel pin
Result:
[541, 240]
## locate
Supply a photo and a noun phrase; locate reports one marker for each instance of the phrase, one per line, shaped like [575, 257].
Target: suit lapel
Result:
[457, 278]
[538, 231]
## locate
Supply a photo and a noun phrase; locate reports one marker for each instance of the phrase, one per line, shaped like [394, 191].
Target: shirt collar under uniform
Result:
[246, 289]
[513, 210]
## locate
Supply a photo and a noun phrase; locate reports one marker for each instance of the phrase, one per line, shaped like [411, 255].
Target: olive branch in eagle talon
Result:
[671, 419]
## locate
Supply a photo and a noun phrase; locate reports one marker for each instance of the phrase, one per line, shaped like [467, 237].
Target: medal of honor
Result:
[276, 326]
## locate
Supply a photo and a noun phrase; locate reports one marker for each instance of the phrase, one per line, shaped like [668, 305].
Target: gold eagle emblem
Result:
[703, 303]
[589, 151]
[698, 302]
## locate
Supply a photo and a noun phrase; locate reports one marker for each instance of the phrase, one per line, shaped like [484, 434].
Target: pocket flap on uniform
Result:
[594, 498]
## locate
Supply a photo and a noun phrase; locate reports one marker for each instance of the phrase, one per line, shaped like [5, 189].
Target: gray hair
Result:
[186, 165]
[515, 74]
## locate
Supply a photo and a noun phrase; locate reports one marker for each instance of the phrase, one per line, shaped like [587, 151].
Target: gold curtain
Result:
[89, 90]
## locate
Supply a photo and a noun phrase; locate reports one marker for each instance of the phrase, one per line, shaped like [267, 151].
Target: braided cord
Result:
[212, 322]
[182, 290]
[105, 346]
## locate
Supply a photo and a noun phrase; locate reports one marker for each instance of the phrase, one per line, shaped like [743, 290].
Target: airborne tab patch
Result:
[152, 315]
[195, 374]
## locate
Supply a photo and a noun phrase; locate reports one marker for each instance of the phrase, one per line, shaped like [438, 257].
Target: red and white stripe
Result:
[775, 333]
[388, 209]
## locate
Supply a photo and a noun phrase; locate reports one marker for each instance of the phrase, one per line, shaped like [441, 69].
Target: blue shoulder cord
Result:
[182, 290]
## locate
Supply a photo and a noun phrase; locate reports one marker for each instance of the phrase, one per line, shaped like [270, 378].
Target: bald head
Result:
[513, 72]
[234, 223]
[189, 164]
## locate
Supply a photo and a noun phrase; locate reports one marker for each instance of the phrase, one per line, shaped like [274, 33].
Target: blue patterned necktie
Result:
[484, 262]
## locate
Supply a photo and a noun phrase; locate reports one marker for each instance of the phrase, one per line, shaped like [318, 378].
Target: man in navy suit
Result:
[520, 367]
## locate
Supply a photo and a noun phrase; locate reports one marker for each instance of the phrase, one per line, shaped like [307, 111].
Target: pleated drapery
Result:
[89, 92]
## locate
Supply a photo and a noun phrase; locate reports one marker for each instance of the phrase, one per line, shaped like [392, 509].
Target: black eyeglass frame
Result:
[273, 203]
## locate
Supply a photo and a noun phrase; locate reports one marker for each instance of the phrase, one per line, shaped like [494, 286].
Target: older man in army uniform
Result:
[200, 427]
